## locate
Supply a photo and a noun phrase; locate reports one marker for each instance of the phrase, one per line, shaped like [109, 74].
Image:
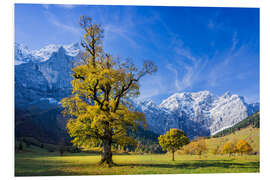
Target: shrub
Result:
[229, 148]
[196, 147]
[243, 147]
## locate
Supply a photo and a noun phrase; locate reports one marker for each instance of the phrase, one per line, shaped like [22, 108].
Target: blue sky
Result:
[195, 48]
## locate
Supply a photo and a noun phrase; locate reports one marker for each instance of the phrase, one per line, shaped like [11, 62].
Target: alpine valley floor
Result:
[30, 164]
[35, 161]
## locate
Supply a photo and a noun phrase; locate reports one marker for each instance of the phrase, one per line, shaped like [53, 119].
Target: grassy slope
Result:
[249, 134]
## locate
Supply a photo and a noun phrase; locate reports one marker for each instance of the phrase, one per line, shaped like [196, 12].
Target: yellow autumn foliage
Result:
[99, 111]
[243, 147]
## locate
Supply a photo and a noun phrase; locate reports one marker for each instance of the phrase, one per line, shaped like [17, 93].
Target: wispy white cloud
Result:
[187, 69]
[117, 26]
[112, 30]
[214, 24]
[125, 26]
[234, 41]
[54, 20]
[153, 86]
[220, 71]
[176, 77]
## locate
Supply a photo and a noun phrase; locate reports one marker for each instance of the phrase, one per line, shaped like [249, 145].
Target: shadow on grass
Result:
[37, 167]
[199, 164]
[192, 165]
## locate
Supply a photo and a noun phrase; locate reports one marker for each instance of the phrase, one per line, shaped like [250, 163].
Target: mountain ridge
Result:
[24, 55]
[203, 108]
[39, 80]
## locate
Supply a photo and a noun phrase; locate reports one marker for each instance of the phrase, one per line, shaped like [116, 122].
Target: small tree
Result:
[200, 146]
[243, 147]
[196, 147]
[229, 148]
[173, 140]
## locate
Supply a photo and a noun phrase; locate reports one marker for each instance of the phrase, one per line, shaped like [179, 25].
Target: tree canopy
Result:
[99, 109]
[243, 147]
[240, 146]
[173, 140]
[229, 148]
[196, 147]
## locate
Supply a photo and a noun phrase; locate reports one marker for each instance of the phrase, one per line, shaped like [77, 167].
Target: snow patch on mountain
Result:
[50, 100]
[46, 52]
[23, 54]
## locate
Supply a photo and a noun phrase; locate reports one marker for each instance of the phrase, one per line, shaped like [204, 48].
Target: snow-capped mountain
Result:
[198, 113]
[44, 75]
[39, 78]
[23, 54]
[46, 52]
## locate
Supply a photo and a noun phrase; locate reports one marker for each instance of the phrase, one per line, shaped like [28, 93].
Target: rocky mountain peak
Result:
[59, 55]
[226, 95]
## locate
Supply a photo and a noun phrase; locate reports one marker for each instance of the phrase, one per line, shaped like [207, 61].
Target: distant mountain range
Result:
[197, 113]
[42, 79]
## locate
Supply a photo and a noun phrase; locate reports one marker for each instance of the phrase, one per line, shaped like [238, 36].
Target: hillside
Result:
[249, 134]
[253, 120]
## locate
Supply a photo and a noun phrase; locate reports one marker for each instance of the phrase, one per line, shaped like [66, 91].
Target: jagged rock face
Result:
[37, 79]
[198, 114]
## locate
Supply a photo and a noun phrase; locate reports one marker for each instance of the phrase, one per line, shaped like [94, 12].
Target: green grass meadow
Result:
[35, 161]
[51, 164]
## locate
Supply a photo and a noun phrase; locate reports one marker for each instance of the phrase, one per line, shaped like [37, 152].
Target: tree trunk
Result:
[173, 155]
[106, 156]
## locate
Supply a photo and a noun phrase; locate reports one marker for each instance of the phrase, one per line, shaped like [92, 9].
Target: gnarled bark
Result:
[106, 156]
